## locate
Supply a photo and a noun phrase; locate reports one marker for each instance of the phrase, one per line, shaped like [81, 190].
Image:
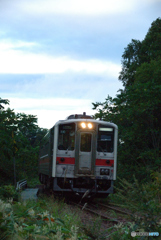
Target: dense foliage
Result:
[19, 144]
[143, 204]
[45, 219]
[137, 108]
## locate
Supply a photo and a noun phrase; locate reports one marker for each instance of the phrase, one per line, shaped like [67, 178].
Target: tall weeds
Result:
[144, 202]
[45, 219]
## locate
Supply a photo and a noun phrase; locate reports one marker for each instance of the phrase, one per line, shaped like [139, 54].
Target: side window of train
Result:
[66, 139]
[105, 141]
[44, 149]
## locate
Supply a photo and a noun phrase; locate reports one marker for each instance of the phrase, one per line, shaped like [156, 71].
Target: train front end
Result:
[84, 156]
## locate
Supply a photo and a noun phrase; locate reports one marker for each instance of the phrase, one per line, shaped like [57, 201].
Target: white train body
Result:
[80, 154]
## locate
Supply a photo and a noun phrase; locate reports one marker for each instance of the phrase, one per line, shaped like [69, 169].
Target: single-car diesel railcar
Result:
[79, 156]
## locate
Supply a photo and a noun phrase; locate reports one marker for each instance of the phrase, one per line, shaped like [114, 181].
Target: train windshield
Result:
[66, 139]
[85, 145]
[105, 139]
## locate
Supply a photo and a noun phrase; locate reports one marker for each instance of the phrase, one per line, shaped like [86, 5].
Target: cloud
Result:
[72, 7]
[6, 45]
[15, 61]
[49, 111]
[54, 97]
[66, 50]
[80, 7]
[65, 28]
[66, 85]
[47, 104]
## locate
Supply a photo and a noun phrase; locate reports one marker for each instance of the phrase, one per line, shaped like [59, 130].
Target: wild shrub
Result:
[35, 220]
[8, 191]
[144, 202]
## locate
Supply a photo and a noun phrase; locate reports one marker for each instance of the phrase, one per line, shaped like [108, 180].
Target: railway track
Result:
[93, 209]
[114, 208]
[99, 209]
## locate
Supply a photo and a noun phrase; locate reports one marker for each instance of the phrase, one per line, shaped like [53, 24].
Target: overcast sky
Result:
[59, 56]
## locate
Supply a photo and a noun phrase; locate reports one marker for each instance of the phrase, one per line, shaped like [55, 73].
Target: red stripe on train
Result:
[65, 160]
[104, 162]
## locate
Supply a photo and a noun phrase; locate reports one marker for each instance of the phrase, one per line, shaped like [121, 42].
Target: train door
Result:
[85, 154]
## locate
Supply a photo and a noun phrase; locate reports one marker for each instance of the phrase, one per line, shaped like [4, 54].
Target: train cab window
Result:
[85, 145]
[66, 139]
[105, 139]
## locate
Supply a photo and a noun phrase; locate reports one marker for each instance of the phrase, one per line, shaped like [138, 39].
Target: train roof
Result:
[79, 116]
[86, 120]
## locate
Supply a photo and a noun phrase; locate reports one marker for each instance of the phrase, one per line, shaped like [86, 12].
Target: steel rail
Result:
[114, 208]
[104, 217]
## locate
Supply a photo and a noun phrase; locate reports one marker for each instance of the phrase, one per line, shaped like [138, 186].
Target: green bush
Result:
[44, 219]
[144, 202]
[8, 191]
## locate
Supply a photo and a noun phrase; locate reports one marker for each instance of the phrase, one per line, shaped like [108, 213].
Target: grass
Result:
[44, 219]
[144, 201]
[32, 182]
[49, 218]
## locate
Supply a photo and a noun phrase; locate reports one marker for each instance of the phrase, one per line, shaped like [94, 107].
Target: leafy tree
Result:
[20, 139]
[137, 53]
[137, 108]
[3, 101]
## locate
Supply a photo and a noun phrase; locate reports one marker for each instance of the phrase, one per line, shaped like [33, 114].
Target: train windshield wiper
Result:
[102, 150]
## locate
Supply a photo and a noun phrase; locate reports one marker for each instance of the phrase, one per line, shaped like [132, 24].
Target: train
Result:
[79, 156]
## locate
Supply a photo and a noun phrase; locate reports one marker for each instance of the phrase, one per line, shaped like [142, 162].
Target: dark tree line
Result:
[137, 107]
[20, 139]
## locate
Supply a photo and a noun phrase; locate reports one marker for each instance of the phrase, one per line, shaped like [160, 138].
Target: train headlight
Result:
[107, 171]
[83, 125]
[104, 171]
[90, 126]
